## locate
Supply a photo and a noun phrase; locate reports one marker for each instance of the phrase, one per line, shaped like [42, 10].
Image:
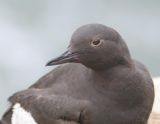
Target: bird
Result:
[96, 82]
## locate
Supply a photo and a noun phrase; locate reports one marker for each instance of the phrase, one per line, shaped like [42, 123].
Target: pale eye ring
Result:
[96, 42]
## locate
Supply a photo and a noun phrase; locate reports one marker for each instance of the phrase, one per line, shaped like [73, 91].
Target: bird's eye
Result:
[96, 42]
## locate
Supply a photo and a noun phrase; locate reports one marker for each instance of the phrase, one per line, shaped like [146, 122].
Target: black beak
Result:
[66, 57]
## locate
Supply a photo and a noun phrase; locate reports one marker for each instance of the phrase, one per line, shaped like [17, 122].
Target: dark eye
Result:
[96, 42]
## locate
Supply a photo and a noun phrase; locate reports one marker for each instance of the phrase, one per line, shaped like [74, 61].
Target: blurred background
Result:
[34, 31]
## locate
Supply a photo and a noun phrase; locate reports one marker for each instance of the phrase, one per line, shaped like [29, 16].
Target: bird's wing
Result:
[6, 119]
[49, 79]
[48, 108]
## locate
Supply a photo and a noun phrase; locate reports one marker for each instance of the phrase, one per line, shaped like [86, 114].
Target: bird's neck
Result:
[116, 62]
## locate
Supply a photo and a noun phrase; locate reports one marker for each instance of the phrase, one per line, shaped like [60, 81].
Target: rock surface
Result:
[155, 115]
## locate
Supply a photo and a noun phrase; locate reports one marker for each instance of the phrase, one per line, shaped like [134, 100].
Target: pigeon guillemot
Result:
[97, 83]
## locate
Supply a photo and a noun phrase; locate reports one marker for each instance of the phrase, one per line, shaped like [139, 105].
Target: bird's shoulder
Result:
[141, 72]
[50, 78]
[135, 78]
[143, 76]
[132, 84]
[135, 72]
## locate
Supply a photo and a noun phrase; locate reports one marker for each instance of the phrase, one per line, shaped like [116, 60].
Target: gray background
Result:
[34, 31]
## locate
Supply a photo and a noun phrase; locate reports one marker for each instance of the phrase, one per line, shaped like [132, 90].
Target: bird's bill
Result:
[66, 57]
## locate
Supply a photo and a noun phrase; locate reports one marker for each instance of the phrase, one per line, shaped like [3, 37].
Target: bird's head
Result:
[96, 46]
